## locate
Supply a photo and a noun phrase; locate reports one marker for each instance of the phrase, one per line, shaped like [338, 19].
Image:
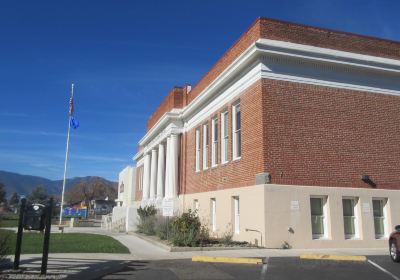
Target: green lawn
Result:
[32, 243]
[8, 223]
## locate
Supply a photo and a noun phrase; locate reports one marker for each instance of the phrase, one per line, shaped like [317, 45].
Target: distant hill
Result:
[23, 184]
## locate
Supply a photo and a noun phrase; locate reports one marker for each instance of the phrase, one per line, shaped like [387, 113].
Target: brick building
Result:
[292, 136]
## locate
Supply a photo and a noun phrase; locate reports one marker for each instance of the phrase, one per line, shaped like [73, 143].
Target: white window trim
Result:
[385, 217]
[236, 214]
[325, 216]
[213, 214]
[195, 205]
[206, 145]
[198, 150]
[214, 143]
[234, 131]
[224, 156]
[356, 218]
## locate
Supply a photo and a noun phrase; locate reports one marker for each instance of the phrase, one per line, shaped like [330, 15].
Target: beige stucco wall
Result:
[252, 209]
[280, 216]
[128, 177]
[272, 209]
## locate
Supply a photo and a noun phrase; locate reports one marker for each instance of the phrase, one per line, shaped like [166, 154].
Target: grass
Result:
[8, 223]
[32, 243]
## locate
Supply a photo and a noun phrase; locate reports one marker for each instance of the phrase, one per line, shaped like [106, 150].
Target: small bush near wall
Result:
[147, 219]
[187, 230]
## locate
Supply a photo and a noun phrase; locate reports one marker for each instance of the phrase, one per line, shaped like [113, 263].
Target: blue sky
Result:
[124, 56]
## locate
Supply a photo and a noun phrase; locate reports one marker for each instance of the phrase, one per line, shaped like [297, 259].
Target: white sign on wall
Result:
[168, 208]
[294, 205]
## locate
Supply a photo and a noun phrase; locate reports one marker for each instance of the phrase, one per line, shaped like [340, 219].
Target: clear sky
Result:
[124, 57]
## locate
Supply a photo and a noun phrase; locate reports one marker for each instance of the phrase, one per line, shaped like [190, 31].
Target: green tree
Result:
[14, 199]
[38, 195]
[2, 193]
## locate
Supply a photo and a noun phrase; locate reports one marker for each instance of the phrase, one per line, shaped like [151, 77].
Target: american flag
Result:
[71, 106]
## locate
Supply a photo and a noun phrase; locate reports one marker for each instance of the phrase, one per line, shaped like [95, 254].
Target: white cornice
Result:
[244, 71]
[328, 55]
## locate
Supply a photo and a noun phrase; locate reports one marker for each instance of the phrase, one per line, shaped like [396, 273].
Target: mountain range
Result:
[24, 184]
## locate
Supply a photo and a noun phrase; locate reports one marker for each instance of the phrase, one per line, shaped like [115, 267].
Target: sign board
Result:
[365, 207]
[70, 212]
[294, 205]
[168, 208]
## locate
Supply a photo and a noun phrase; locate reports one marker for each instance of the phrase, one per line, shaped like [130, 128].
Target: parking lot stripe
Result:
[226, 260]
[384, 270]
[333, 257]
[264, 268]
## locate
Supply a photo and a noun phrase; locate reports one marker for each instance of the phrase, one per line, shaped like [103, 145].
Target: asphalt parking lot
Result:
[376, 268]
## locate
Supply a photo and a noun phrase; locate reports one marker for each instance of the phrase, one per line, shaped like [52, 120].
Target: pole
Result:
[66, 159]
[19, 235]
[45, 255]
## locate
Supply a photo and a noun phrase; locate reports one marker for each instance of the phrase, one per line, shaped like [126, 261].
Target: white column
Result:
[146, 178]
[174, 167]
[160, 172]
[153, 175]
[167, 168]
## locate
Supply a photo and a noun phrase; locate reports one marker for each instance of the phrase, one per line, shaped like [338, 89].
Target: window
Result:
[380, 223]
[214, 147]
[197, 149]
[196, 205]
[350, 218]
[213, 214]
[236, 214]
[224, 137]
[205, 146]
[318, 217]
[236, 134]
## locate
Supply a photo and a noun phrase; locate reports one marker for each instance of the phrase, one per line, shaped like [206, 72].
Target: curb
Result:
[226, 260]
[168, 248]
[333, 257]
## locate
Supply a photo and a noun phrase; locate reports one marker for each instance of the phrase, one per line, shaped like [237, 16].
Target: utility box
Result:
[34, 217]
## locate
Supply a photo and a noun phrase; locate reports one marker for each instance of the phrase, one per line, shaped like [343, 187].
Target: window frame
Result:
[355, 216]
[206, 144]
[325, 217]
[236, 133]
[213, 210]
[385, 222]
[197, 149]
[236, 214]
[214, 142]
[224, 137]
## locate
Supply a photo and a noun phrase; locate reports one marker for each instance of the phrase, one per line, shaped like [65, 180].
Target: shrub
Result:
[227, 238]
[163, 227]
[186, 230]
[147, 219]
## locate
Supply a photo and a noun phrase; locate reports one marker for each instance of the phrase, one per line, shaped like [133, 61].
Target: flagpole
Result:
[66, 158]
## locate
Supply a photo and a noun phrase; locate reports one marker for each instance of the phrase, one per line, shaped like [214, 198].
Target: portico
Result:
[160, 160]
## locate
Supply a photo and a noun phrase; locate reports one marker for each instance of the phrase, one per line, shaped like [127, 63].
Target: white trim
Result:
[206, 145]
[224, 145]
[356, 216]
[247, 69]
[234, 131]
[328, 55]
[325, 216]
[214, 142]
[197, 150]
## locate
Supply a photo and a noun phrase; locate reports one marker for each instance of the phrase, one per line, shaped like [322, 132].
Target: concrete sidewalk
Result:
[92, 266]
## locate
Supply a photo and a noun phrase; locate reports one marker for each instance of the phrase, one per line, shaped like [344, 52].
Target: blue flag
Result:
[74, 123]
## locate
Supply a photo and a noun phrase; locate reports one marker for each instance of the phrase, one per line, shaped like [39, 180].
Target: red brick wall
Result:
[234, 173]
[321, 136]
[283, 31]
[174, 99]
[326, 38]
